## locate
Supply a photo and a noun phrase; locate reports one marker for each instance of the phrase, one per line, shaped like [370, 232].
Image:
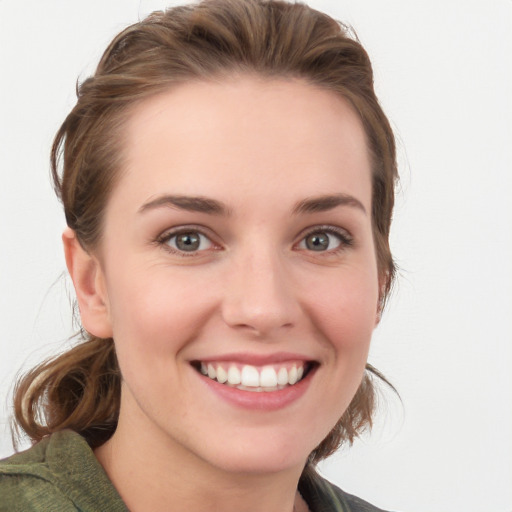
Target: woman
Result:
[227, 180]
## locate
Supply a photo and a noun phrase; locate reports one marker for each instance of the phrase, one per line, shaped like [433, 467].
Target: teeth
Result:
[292, 375]
[222, 376]
[282, 377]
[268, 377]
[252, 378]
[234, 376]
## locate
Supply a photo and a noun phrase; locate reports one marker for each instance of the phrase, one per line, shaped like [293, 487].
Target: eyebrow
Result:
[212, 206]
[326, 203]
[188, 203]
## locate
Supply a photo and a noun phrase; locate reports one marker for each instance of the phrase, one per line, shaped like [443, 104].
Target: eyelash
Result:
[345, 239]
[164, 239]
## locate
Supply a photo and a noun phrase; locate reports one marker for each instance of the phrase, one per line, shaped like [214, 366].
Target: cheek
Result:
[345, 312]
[153, 314]
[344, 317]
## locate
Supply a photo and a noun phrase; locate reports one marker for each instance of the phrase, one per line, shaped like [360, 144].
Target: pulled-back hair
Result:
[80, 389]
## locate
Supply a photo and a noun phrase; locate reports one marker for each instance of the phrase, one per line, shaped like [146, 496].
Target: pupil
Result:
[317, 242]
[188, 242]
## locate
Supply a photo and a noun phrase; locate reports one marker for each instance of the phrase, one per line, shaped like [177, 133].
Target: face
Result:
[238, 272]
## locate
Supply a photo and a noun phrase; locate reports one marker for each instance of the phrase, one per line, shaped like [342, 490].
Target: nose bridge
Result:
[259, 295]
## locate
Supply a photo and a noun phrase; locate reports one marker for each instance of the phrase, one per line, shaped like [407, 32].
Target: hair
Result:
[80, 389]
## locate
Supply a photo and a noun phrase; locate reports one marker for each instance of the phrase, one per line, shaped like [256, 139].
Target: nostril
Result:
[260, 300]
[258, 321]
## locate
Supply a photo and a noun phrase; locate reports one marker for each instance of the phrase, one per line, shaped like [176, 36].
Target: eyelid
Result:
[163, 239]
[346, 239]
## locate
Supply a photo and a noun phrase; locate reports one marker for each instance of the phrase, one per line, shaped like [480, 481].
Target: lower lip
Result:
[260, 400]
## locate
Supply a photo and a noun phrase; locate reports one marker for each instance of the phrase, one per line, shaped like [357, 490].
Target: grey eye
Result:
[190, 241]
[321, 241]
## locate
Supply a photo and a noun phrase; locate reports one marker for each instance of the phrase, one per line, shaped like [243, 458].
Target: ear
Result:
[378, 314]
[89, 283]
[383, 285]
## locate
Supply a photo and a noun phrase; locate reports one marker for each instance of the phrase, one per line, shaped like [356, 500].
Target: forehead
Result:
[244, 136]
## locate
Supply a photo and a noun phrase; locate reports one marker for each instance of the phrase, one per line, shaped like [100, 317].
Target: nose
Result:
[259, 296]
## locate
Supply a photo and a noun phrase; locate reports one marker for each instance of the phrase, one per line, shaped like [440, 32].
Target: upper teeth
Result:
[248, 376]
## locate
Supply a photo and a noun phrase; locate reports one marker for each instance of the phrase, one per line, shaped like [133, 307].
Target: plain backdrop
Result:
[443, 74]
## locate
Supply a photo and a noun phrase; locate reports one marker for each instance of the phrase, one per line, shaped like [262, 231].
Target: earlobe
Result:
[89, 283]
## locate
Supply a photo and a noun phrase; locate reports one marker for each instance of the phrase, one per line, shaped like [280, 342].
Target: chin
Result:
[258, 462]
[262, 452]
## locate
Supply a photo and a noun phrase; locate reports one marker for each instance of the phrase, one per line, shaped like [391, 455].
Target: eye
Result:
[188, 241]
[325, 239]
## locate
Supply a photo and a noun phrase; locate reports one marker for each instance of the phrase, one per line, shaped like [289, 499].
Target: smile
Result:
[255, 378]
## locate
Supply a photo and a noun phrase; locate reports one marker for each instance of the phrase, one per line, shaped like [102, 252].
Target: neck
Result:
[151, 471]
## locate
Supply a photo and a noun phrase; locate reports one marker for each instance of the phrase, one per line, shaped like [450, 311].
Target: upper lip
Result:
[255, 359]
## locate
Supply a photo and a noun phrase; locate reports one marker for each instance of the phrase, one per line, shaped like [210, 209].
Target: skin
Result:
[254, 287]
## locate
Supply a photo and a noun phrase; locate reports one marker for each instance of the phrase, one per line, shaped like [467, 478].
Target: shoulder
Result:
[28, 483]
[356, 504]
[323, 496]
[60, 473]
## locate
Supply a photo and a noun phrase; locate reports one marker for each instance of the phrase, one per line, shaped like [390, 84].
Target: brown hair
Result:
[80, 389]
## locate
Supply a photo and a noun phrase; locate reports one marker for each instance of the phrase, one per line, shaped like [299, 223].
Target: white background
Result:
[443, 74]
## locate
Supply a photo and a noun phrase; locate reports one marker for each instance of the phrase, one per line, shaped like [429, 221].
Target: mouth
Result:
[246, 377]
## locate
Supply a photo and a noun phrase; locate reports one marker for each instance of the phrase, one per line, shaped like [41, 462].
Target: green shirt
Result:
[61, 474]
